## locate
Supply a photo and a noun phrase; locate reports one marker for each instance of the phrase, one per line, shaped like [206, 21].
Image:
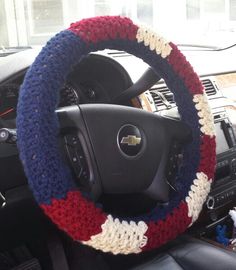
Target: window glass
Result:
[3, 26]
[102, 7]
[145, 11]
[33, 22]
[193, 9]
[46, 16]
[232, 6]
[214, 6]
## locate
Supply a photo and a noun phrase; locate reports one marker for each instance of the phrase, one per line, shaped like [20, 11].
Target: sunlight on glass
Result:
[195, 22]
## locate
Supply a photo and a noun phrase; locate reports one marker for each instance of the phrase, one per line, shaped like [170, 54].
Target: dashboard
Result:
[101, 76]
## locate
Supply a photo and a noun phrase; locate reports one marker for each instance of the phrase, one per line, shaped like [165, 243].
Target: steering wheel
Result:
[126, 148]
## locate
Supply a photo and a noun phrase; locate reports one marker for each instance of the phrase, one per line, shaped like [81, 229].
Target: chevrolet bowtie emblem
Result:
[131, 140]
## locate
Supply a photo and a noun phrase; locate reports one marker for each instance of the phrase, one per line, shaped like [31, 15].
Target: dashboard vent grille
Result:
[209, 87]
[162, 96]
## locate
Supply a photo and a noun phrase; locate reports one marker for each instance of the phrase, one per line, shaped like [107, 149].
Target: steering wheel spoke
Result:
[178, 130]
[177, 134]
[77, 148]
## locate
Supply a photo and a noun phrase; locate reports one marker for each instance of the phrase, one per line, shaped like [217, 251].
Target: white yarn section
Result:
[154, 41]
[232, 213]
[120, 237]
[204, 112]
[197, 195]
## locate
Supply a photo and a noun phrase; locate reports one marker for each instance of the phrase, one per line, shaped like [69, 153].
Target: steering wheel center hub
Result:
[130, 140]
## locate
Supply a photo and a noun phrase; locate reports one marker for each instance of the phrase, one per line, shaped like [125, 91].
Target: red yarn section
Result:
[78, 217]
[183, 68]
[104, 28]
[161, 232]
[208, 156]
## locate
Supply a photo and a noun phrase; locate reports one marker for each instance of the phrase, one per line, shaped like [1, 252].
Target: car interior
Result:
[117, 147]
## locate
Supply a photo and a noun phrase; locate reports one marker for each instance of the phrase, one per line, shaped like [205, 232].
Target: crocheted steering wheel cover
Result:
[51, 180]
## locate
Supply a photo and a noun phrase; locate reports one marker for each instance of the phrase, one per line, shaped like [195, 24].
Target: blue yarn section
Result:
[37, 124]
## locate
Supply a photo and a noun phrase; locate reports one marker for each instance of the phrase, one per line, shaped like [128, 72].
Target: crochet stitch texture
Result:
[51, 180]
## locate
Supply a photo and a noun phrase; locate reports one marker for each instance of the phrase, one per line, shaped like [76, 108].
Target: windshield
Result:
[193, 22]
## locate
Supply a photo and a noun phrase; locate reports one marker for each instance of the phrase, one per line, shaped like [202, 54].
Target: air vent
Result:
[209, 87]
[162, 96]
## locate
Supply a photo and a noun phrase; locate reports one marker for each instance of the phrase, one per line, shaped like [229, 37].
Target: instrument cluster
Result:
[9, 97]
